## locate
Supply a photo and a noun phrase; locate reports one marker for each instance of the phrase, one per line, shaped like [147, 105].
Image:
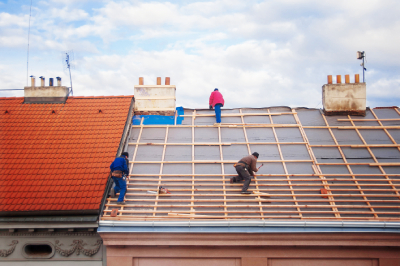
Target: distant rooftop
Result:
[316, 167]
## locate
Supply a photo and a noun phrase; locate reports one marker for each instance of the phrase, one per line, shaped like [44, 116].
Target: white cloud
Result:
[8, 20]
[68, 15]
[142, 14]
[259, 53]
[67, 2]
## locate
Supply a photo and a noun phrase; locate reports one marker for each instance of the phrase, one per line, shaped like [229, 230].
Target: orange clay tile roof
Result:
[56, 157]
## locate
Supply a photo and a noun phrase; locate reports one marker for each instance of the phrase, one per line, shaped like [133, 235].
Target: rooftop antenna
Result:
[27, 56]
[69, 56]
[361, 56]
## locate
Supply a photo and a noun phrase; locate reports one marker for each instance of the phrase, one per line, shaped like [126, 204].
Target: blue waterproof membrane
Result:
[159, 119]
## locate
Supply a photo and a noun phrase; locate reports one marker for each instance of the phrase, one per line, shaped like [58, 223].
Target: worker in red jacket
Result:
[216, 102]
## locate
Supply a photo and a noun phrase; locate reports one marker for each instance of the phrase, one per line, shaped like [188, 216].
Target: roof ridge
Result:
[109, 96]
[11, 98]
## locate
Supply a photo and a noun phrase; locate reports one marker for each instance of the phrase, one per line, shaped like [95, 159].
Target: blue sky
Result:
[258, 53]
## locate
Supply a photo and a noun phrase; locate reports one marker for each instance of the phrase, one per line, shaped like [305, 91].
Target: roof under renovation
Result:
[316, 167]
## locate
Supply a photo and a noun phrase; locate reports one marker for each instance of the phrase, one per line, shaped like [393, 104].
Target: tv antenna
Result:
[362, 55]
[29, 33]
[68, 56]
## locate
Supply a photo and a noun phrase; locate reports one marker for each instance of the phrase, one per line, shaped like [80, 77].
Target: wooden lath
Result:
[316, 168]
[241, 114]
[249, 151]
[284, 167]
[209, 196]
[222, 161]
[222, 169]
[275, 180]
[271, 175]
[372, 154]
[348, 166]
[193, 171]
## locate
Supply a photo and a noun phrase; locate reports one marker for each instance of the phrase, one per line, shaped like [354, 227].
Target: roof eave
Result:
[247, 226]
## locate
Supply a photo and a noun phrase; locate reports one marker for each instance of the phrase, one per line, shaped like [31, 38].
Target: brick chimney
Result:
[344, 99]
[46, 94]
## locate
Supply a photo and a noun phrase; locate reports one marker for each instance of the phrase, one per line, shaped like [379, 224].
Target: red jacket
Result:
[216, 97]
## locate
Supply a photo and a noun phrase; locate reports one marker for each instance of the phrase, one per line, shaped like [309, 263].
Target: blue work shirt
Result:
[119, 164]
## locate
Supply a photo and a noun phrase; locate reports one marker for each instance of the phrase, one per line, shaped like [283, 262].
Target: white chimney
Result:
[344, 99]
[43, 94]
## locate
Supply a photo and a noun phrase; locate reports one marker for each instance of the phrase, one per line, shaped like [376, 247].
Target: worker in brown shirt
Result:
[245, 169]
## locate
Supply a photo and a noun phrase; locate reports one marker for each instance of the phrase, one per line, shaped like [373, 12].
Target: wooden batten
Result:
[283, 196]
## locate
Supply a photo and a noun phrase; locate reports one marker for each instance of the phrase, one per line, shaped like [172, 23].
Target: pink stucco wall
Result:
[252, 249]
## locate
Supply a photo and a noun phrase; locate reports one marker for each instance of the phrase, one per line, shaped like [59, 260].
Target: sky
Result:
[258, 53]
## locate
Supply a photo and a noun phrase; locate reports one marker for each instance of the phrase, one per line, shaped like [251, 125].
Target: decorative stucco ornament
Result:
[78, 246]
[7, 252]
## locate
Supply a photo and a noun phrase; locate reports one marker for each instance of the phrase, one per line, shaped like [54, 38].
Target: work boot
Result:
[245, 192]
[121, 203]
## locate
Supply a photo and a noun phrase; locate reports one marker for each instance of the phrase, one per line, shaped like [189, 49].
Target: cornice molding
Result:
[78, 247]
[8, 252]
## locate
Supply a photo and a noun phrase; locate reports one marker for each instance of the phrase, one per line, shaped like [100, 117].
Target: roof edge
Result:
[252, 223]
[47, 213]
[101, 97]
[247, 226]
[121, 147]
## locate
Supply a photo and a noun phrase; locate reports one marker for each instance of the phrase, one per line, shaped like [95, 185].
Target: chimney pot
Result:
[32, 81]
[158, 80]
[167, 81]
[41, 81]
[338, 79]
[357, 78]
[51, 84]
[141, 82]
[58, 81]
[347, 79]
[329, 79]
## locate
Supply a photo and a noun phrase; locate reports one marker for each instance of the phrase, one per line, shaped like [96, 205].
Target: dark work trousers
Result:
[120, 186]
[217, 108]
[243, 175]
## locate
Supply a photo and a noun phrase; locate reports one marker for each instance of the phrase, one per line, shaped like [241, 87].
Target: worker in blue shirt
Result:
[119, 169]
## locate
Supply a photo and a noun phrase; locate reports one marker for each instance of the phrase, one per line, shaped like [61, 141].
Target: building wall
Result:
[239, 250]
[66, 248]
[252, 256]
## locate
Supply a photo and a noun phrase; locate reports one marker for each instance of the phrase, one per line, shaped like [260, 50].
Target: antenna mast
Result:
[29, 33]
[362, 56]
[67, 61]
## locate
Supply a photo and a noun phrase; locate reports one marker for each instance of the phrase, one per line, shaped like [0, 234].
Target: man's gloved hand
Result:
[210, 106]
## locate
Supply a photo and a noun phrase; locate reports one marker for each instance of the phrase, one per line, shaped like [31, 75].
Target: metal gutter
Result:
[247, 227]
[51, 219]
[49, 222]
[13, 214]
[46, 225]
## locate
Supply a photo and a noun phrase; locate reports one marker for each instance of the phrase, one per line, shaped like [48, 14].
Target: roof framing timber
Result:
[202, 194]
